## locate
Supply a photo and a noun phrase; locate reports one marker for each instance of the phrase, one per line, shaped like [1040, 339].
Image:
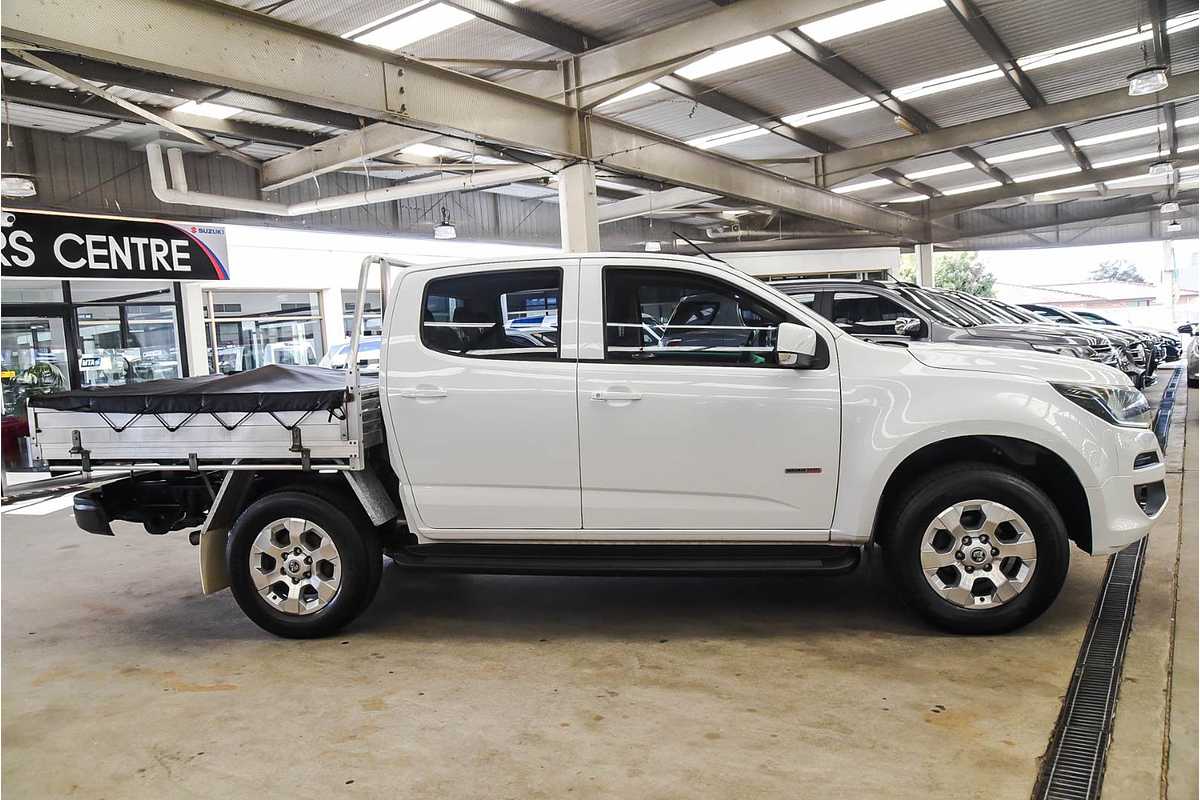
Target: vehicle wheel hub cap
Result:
[978, 554]
[295, 566]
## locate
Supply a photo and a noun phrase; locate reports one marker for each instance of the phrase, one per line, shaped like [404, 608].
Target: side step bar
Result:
[604, 559]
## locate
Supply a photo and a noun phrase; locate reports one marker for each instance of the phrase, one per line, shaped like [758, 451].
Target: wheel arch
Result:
[1048, 470]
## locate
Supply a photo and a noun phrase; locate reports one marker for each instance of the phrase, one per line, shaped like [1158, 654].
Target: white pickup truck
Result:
[747, 435]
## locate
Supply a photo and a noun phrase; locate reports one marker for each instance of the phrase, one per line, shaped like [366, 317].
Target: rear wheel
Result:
[978, 549]
[300, 566]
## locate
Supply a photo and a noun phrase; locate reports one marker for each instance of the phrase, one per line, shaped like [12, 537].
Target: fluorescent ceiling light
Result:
[975, 187]
[414, 26]
[423, 150]
[1117, 136]
[212, 110]
[1033, 152]
[929, 173]
[1083, 187]
[1053, 173]
[727, 137]
[636, 91]
[948, 82]
[829, 112]
[867, 17]
[862, 187]
[908, 198]
[1113, 162]
[737, 56]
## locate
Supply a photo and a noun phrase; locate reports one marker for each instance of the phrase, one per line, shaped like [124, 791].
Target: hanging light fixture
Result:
[1162, 167]
[1174, 226]
[653, 247]
[446, 229]
[1149, 80]
[1170, 207]
[17, 186]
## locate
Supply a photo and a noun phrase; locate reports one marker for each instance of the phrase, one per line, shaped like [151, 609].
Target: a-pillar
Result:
[925, 265]
[577, 209]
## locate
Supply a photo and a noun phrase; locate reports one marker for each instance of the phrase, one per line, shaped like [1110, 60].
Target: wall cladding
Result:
[98, 176]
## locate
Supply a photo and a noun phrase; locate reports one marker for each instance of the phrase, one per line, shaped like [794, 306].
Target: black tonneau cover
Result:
[270, 388]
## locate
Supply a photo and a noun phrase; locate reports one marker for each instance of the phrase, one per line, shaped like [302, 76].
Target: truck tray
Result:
[286, 416]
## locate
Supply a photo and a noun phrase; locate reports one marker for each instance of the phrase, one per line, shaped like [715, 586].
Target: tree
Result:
[1117, 270]
[961, 270]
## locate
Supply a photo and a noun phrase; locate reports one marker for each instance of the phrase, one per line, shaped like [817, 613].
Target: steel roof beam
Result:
[33, 94]
[648, 57]
[527, 23]
[196, 40]
[834, 65]
[945, 206]
[1103, 210]
[972, 19]
[861, 160]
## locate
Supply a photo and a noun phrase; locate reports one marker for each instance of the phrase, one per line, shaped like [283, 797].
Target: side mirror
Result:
[1186, 328]
[795, 345]
[907, 326]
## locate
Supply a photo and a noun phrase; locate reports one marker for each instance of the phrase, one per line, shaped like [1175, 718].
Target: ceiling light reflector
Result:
[1147, 81]
[1169, 208]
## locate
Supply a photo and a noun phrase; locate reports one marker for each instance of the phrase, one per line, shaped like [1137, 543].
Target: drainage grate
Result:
[1074, 767]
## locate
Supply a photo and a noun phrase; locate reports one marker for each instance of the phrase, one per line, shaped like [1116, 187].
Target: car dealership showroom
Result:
[609, 399]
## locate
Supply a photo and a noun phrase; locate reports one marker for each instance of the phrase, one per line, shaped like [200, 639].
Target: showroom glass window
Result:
[866, 313]
[250, 329]
[509, 314]
[372, 315]
[668, 316]
[128, 332]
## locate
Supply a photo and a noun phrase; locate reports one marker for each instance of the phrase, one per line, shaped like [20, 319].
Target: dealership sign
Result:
[48, 245]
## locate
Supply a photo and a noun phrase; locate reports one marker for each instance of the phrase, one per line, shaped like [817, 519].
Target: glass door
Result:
[33, 361]
[121, 344]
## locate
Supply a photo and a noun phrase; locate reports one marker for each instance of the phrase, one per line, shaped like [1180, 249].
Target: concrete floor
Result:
[121, 680]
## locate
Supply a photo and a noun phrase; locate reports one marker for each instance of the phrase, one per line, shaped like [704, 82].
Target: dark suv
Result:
[894, 311]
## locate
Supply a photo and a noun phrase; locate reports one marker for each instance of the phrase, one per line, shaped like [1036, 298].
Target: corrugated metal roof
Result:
[768, 146]
[924, 46]
[785, 84]
[1184, 49]
[1017, 144]
[1087, 75]
[865, 127]
[681, 119]
[48, 119]
[331, 16]
[970, 103]
[479, 39]
[1113, 125]
[1033, 27]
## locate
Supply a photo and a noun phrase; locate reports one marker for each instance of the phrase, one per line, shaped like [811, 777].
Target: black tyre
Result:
[978, 549]
[300, 566]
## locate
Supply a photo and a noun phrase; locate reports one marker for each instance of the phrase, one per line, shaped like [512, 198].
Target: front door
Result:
[686, 420]
[482, 397]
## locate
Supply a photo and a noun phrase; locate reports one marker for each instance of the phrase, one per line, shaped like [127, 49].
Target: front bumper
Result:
[1125, 507]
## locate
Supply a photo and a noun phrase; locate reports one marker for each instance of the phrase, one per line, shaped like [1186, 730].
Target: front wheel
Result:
[299, 566]
[978, 549]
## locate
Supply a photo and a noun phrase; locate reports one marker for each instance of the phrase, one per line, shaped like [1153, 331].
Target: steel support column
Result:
[925, 264]
[577, 209]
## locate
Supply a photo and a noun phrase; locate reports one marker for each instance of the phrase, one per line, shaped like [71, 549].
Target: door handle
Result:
[423, 393]
[605, 396]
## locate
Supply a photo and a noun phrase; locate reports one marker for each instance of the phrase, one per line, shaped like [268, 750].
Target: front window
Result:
[668, 316]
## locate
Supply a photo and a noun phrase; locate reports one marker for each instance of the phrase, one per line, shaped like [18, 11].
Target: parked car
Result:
[898, 312]
[973, 468]
[1192, 329]
[368, 355]
[1172, 347]
[1147, 357]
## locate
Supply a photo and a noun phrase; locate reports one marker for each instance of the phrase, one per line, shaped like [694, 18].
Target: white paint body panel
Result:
[517, 451]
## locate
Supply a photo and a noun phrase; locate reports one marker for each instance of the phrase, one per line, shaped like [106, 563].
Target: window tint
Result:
[1050, 314]
[865, 313]
[494, 314]
[666, 316]
[804, 298]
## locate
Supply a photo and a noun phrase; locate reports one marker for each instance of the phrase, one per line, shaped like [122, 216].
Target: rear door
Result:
[480, 380]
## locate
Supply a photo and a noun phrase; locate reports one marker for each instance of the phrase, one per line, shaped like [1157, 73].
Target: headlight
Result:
[1124, 406]
[1062, 350]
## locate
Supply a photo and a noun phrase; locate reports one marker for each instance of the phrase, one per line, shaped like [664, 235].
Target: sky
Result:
[1071, 264]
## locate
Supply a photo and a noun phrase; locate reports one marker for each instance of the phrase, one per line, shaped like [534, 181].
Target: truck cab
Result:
[746, 434]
